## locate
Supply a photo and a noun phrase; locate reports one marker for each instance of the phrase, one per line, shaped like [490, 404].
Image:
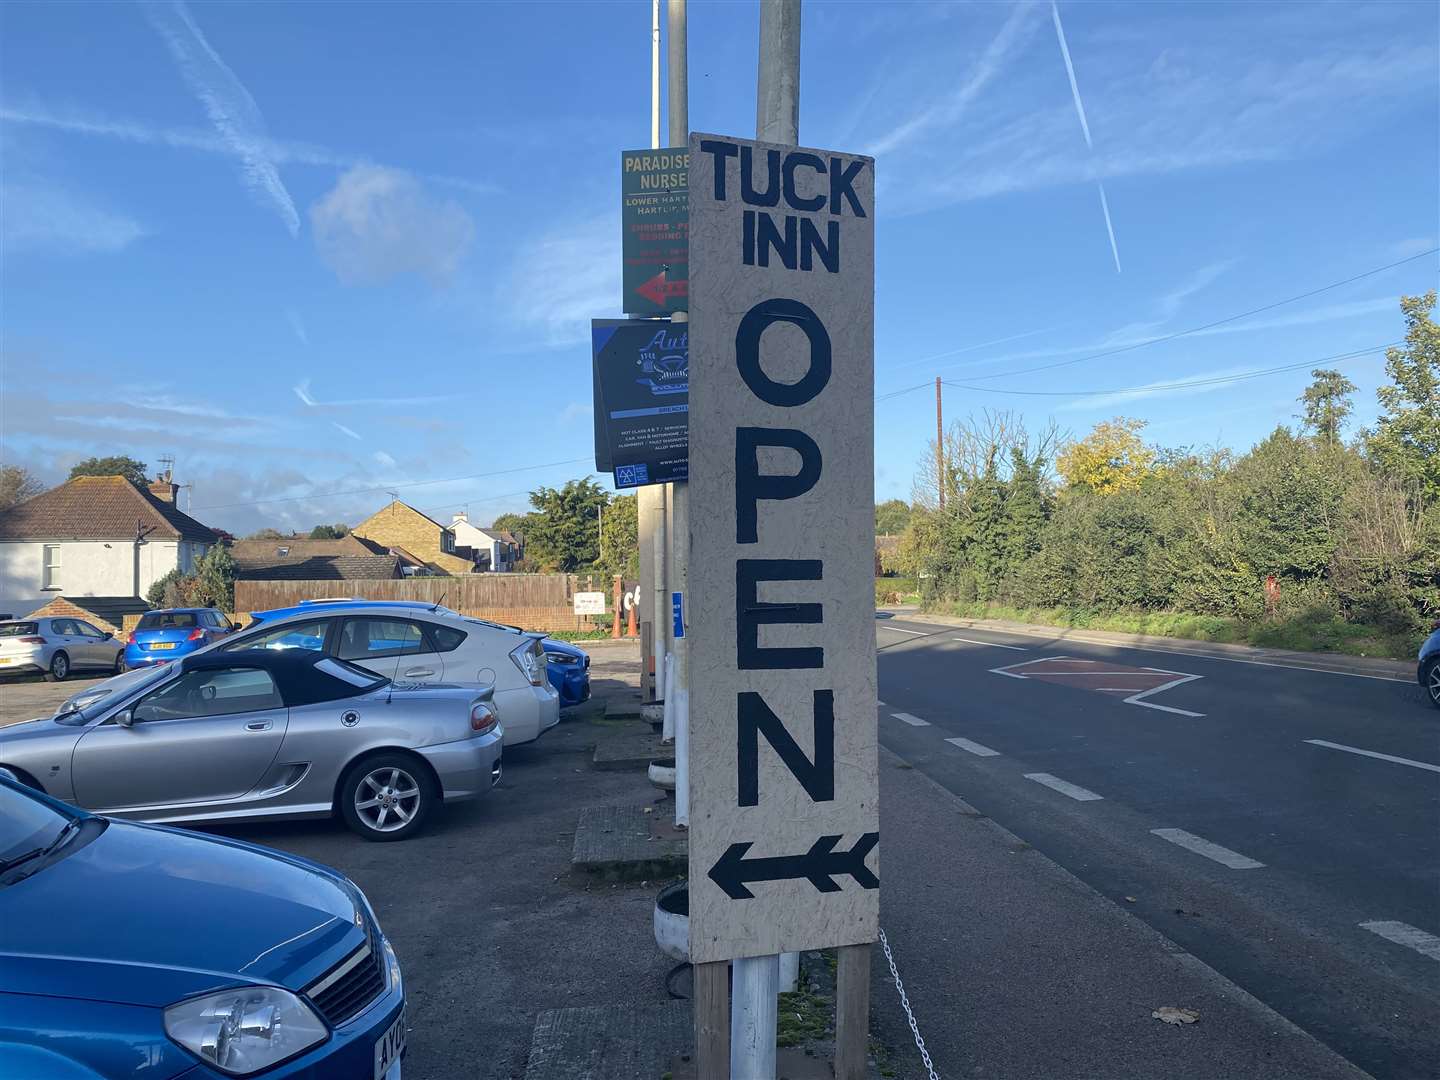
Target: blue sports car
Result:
[568, 669]
[171, 633]
[139, 951]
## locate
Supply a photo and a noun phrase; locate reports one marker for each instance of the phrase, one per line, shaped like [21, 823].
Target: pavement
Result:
[1280, 824]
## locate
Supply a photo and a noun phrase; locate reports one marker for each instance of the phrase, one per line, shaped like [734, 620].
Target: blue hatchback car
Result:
[170, 633]
[138, 951]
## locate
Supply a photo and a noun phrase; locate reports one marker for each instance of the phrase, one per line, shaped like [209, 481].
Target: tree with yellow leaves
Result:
[1111, 458]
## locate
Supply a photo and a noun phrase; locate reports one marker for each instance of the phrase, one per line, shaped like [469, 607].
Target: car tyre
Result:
[1430, 680]
[59, 668]
[387, 797]
[120, 666]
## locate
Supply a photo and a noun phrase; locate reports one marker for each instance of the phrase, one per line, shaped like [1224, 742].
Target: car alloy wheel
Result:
[1432, 684]
[387, 799]
[59, 667]
[120, 667]
[387, 796]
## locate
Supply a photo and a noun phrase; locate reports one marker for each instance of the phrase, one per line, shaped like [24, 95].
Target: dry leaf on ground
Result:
[1171, 1015]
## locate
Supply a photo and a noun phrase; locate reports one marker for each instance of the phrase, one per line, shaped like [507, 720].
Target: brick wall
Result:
[62, 608]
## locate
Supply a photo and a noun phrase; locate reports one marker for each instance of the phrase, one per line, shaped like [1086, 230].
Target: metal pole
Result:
[777, 98]
[654, 74]
[939, 447]
[777, 119]
[660, 608]
[753, 1016]
[677, 694]
[651, 572]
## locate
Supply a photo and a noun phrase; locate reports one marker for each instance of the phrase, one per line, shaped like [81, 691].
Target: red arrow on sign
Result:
[658, 289]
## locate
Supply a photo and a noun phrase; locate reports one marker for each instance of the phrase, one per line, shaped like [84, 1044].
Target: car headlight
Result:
[393, 964]
[245, 1030]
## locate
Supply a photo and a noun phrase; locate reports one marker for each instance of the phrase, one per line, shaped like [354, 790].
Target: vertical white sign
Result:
[784, 812]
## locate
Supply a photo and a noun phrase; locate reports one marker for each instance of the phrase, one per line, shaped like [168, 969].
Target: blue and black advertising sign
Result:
[642, 400]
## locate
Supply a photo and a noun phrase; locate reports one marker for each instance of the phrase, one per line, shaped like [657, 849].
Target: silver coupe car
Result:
[260, 733]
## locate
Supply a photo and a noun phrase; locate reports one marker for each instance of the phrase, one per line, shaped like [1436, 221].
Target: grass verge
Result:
[1300, 633]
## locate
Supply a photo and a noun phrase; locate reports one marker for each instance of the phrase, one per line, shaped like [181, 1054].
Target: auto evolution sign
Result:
[784, 815]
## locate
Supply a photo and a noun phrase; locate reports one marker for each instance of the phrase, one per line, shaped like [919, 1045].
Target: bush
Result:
[163, 585]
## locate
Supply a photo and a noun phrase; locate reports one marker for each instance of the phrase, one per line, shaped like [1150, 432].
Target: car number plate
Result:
[7, 659]
[162, 644]
[389, 1049]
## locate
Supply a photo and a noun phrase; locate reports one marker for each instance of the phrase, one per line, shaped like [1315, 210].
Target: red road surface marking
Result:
[1103, 676]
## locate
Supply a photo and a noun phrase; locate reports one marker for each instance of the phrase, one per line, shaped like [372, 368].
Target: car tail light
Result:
[123, 637]
[482, 719]
[195, 635]
[531, 667]
[31, 640]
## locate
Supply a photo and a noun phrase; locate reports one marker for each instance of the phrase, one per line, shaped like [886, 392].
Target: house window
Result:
[50, 567]
[447, 542]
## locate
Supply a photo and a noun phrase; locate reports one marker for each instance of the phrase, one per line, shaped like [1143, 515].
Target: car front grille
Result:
[350, 985]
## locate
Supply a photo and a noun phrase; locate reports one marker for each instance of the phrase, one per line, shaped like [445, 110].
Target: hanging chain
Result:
[905, 1004]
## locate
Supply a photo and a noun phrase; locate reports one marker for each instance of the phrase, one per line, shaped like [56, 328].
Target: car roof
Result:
[313, 607]
[301, 675]
[176, 611]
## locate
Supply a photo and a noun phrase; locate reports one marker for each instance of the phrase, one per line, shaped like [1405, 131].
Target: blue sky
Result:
[323, 248]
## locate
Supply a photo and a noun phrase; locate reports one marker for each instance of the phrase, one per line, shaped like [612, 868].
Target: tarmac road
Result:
[1281, 824]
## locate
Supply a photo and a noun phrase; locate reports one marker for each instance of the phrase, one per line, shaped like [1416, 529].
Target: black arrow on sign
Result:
[819, 864]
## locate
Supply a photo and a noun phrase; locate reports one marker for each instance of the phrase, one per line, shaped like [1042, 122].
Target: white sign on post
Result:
[784, 800]
[589, 603]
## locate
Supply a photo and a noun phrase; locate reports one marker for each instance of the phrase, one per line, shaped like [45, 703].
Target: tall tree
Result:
[891, 517]
[620, 542]
[329, 532]
[266, 533]
[1111, 458]
[1327, 404]
[564, 532]
[17, 485]
[1406, 440]
[116, 465]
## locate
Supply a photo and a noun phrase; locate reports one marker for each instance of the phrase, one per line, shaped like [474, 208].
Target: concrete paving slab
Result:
[620, 1042]
[633, 746]
[627, 843]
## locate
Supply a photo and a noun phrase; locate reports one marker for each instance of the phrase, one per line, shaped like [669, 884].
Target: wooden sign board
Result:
[784, 813]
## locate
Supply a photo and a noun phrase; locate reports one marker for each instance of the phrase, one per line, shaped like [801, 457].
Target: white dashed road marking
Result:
[913, 721]
[899, 630]
[1405, 934]
[992, 644]
[881, 704]
[1075, 792]
[1374, 754]
[1223, 855]
[973, 747]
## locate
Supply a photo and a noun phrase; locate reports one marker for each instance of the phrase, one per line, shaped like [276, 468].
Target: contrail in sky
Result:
[1084, 126]
[232, 111]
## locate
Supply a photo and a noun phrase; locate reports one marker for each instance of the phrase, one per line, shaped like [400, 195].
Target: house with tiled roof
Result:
[496, 550]
[95, 536]
[302, 559]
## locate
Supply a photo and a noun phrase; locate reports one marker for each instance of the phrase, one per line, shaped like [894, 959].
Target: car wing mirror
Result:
[125, 717]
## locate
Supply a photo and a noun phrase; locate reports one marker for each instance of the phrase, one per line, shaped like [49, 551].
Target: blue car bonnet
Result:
[146, 915]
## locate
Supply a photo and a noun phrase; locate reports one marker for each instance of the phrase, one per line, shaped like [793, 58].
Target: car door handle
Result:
[259, 725]
[419, 672]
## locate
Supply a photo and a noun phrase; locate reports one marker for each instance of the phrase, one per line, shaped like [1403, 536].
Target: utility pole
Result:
[939, 447]
[677, 696]
[650, 502]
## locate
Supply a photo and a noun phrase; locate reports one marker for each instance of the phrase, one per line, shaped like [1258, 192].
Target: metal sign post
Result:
[784, 815]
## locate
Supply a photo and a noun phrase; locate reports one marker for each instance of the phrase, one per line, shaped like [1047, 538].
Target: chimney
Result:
[163, 488]
[461, 515]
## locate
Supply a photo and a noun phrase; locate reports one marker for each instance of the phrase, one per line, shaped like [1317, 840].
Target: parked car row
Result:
[375, 712]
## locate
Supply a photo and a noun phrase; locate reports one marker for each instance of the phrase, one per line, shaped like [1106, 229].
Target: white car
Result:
[409, 642]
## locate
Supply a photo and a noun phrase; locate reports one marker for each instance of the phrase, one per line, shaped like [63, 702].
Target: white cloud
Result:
[568, 277]
[1405, 249]
[952, 106]
[280, 151]
[1166, 388]
[351, 432]
[232, 111]
[385, 459]
[48, 219]
[302, 391]
[377, 223]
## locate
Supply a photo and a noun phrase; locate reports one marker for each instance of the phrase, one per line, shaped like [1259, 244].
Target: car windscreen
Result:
[168, 620]
[18, 629]
[79, 709]
[26, 823]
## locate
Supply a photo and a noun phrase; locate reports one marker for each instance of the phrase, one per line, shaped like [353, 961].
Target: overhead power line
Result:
[1184, 384]
[1204, 326]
